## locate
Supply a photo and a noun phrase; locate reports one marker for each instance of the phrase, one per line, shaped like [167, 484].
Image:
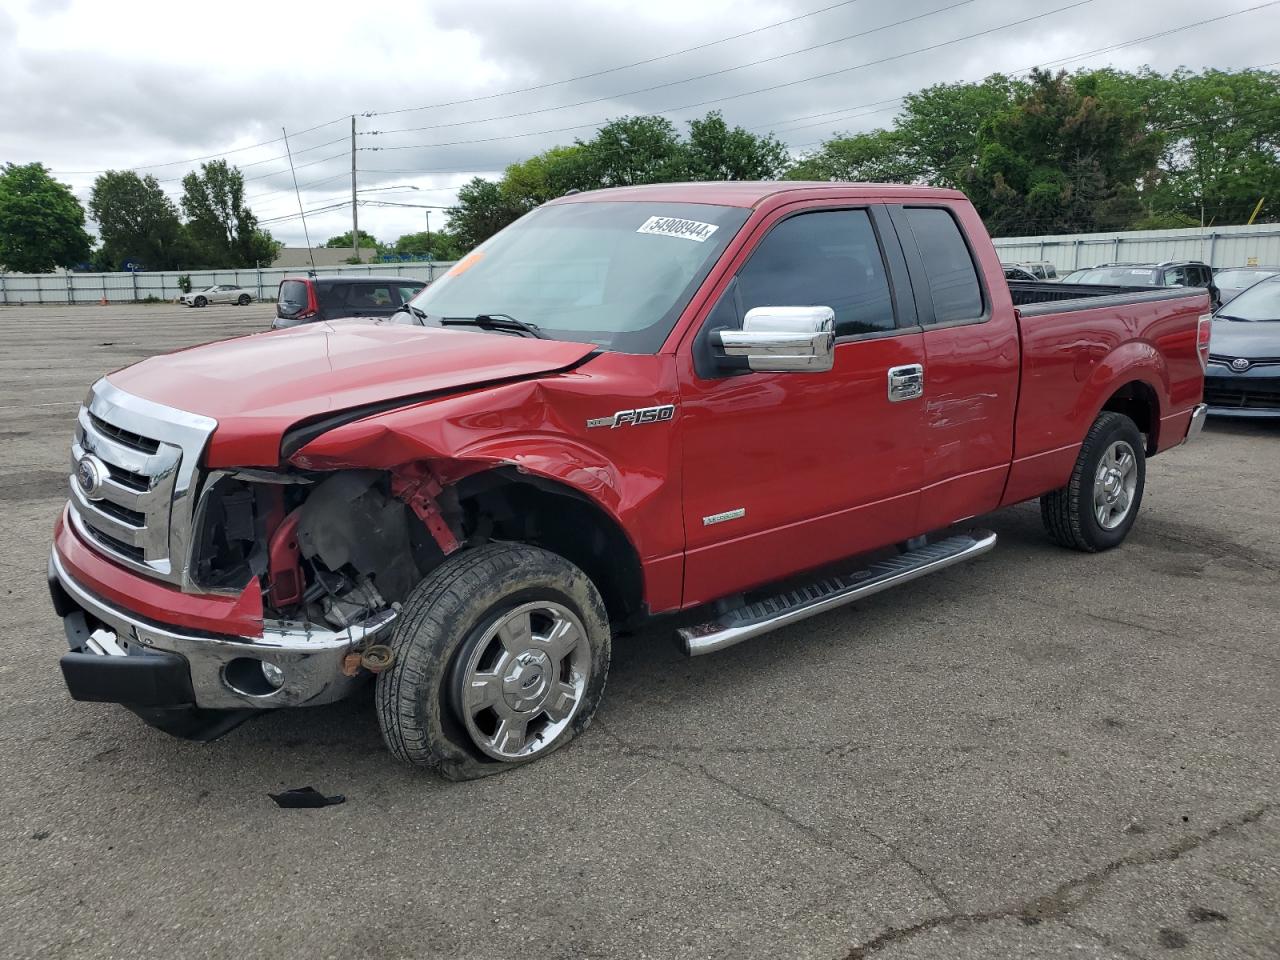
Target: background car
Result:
[1037, 269]
[1170, 273]
[1232, 280]
[1242, 378]
[1012, 272]
[220, 293]
[312, 299]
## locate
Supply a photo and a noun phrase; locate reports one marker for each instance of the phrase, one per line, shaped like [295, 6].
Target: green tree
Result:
[481, 212]
[877, 157]
[41, 221]
[548, 175]
[716, 152]
[223, 230]
[635, 150]
[1220, 143]
[938, 127]
[438, 244]
[136, 222]
[1061, 159]
[343, 241]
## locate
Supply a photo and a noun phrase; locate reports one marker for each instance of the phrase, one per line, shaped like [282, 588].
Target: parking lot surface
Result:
[1040, 754]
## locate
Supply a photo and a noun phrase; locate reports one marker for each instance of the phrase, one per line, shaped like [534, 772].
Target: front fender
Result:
[538, 427]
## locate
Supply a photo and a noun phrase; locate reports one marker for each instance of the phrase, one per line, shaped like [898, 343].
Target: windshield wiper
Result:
[1225, 316]
[495, 321]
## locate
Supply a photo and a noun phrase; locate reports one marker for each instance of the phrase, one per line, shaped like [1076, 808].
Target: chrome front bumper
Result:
[1198, 417]
[311, 659]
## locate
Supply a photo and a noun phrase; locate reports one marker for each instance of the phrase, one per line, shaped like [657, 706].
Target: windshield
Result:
[1117, 276]
[1239, 279]
[613, 273]
[1259, 302]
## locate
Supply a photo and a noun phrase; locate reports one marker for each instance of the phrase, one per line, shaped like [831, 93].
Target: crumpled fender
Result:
[539, 427]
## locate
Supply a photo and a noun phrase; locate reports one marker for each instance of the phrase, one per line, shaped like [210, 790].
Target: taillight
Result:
[1203, 332]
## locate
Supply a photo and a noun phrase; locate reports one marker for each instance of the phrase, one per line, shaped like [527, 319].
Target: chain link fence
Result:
[18, 289]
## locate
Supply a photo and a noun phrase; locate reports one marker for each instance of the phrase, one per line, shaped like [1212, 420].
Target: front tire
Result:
[1098, 506]
[201, 301]
[501, 656]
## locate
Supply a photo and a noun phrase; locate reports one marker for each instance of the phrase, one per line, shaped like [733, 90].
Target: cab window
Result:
[829, 258]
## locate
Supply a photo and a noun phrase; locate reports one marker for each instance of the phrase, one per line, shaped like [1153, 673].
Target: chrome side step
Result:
[828, 594]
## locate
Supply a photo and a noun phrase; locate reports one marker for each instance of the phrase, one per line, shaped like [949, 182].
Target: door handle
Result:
[906, 382]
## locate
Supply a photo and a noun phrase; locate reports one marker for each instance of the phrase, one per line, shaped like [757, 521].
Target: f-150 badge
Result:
[633, 418]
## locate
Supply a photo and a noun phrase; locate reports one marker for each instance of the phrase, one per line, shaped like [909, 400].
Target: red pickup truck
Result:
[752, 402]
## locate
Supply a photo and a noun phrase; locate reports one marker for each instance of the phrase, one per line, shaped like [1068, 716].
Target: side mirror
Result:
[795, 339]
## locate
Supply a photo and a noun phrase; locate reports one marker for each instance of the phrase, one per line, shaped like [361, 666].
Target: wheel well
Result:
[1137, 401]
[502, 504]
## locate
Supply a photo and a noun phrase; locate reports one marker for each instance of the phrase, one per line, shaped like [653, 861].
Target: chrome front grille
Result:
[138, 504]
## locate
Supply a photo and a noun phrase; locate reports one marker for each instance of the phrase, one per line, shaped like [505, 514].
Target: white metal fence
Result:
[24, 288]
[1216, 246]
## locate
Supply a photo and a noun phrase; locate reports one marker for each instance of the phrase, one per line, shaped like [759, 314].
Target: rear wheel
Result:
[1098, 506]
[501, 656]
[243, 300]
[201, 301]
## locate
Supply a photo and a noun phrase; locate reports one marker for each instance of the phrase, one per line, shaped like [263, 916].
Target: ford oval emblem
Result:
[1240, 364]
[90, 474]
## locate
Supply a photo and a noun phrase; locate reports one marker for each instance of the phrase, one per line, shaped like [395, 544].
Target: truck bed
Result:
[1040, 297]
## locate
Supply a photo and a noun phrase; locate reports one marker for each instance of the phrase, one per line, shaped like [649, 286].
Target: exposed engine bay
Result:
[329, 548]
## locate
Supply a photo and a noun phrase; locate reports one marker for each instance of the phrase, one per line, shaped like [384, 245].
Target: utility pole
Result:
[355, 217]
[429, 228]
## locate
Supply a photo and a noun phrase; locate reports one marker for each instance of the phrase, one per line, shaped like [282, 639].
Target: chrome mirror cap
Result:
[783, 339]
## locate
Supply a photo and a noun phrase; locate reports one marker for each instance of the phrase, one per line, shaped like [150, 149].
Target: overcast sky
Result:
[87, 86]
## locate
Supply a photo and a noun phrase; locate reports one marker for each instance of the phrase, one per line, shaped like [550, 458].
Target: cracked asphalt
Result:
[1041, 754]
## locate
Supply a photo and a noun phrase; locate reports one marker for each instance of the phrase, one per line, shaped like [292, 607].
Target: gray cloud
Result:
[87, 90]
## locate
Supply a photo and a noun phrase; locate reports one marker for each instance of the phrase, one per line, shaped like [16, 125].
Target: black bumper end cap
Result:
[150, 680]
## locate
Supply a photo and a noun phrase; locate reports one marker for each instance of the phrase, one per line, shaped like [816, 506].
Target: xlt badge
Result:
[635, 417]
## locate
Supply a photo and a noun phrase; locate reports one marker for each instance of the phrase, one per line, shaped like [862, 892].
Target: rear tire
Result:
[500, 657]
[243, 300]
[1098, 506]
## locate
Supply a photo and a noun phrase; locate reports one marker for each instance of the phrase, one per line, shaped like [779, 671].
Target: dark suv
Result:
[1170, 273]
[311, 299]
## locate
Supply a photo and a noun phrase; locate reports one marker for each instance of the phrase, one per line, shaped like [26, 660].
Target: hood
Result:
[1239, 338]
[256, 387]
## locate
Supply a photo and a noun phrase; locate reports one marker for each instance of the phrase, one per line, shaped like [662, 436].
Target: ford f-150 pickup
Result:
[746, 402]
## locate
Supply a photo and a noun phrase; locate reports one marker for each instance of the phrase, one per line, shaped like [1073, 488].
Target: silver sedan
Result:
[219, 293]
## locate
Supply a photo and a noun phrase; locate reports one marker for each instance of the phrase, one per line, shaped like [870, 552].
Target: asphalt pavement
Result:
[1039, 754]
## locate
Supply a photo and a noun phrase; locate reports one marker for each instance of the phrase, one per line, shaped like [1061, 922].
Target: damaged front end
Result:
[331, 549]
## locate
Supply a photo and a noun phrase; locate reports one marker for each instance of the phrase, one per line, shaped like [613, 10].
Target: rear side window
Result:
[369, 295]
[409, 291]
[827, 259]
[292, 296]
[953, 279]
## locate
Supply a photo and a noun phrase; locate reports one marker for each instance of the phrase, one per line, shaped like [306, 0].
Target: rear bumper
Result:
[119, 657]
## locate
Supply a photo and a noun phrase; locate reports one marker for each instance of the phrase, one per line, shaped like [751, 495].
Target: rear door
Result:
[971, 361]
[788, 471]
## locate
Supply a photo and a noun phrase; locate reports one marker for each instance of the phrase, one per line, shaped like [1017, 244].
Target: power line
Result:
[601, 73]
[777, 86]
[211, 156]
[676, 83]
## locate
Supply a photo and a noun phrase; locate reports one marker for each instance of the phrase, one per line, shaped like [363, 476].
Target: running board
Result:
[832, 592]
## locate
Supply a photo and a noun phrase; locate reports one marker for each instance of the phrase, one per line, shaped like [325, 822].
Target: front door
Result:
[789, 471]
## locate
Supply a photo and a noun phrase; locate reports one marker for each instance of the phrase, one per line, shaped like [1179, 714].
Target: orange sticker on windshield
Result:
[465, 264]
